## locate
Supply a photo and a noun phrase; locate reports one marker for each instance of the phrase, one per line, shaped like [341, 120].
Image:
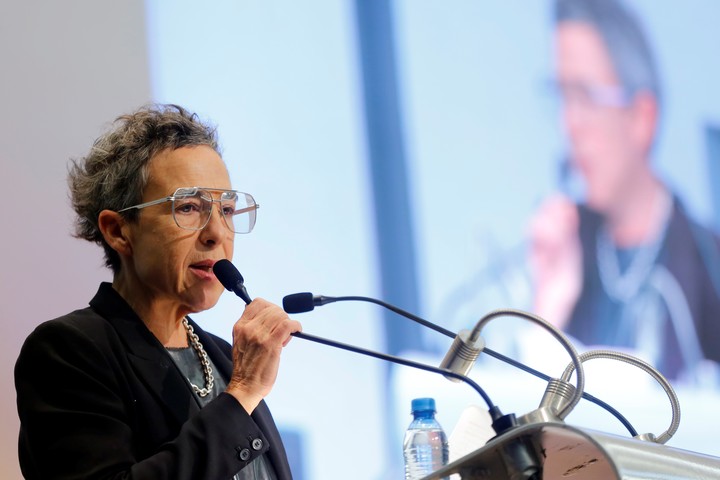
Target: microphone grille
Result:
[228, 275]
[298, 302]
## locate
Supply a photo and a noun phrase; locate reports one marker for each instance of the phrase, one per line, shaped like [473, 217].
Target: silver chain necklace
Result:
[204, 361]
[624, 286]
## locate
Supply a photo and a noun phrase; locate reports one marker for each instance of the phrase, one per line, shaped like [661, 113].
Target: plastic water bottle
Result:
[425, 446]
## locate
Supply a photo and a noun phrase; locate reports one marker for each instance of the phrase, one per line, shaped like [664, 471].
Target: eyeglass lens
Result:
[589, 96]
[192, 209]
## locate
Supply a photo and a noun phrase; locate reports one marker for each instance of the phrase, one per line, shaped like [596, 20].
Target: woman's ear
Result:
[113, 227]
[646, 114]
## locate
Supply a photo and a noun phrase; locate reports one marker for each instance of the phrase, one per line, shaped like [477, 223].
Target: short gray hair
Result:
[114, 174]
[623, 36]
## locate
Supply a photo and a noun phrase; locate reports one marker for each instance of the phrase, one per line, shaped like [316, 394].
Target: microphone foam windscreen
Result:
[298, 302]
[228, 275]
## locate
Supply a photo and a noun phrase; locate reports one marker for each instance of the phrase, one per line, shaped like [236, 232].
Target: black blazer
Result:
[691, 254]
[100, 398]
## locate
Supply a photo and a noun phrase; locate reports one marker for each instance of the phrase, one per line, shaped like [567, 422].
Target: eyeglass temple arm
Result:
[247, 209]
[149, 204]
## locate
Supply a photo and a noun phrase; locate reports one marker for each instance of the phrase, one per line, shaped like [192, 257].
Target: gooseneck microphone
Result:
[232, 280]
[462, 353]
[306, 302]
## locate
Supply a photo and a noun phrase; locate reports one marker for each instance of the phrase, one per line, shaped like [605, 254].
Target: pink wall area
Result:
[67, 69]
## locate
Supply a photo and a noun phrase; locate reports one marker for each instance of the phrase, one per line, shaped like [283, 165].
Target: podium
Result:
[543, 447]
[557, 451]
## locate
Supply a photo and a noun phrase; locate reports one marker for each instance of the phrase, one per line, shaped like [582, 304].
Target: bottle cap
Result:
[423, 405]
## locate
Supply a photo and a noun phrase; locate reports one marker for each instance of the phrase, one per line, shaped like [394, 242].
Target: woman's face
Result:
[172, 267]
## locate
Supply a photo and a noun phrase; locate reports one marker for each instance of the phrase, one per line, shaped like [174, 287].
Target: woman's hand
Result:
[258, 339]
[556, 259]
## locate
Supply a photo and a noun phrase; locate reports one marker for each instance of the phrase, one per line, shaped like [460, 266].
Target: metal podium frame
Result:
[557, 451]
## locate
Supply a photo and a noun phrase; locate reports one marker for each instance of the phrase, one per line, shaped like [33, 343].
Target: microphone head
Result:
[298, 302]
[228, 275]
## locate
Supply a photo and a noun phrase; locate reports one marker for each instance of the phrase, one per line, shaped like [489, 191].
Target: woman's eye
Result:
[228, 211]
[187, 208]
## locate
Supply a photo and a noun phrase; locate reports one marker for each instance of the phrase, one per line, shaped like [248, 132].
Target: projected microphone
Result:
[231, 279]
[304, 302]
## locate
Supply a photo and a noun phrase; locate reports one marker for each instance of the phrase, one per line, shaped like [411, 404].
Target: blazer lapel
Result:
[147, 355]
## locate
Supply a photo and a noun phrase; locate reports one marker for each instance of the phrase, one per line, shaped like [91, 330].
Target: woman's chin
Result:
[203, 300]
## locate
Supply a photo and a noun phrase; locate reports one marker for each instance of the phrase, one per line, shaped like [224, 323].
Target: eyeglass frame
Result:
[172, 198]
[591, 95]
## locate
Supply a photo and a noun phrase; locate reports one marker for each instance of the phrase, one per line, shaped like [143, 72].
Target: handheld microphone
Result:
[231, 279]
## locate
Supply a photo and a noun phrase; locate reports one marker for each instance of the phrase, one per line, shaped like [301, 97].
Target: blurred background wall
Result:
[67, 69]
[395, 148]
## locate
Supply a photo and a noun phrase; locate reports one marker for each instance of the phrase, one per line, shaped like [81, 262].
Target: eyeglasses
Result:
[192, 208]
[587, 96]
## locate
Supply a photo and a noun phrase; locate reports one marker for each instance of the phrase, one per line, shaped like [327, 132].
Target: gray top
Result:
[189, 364]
